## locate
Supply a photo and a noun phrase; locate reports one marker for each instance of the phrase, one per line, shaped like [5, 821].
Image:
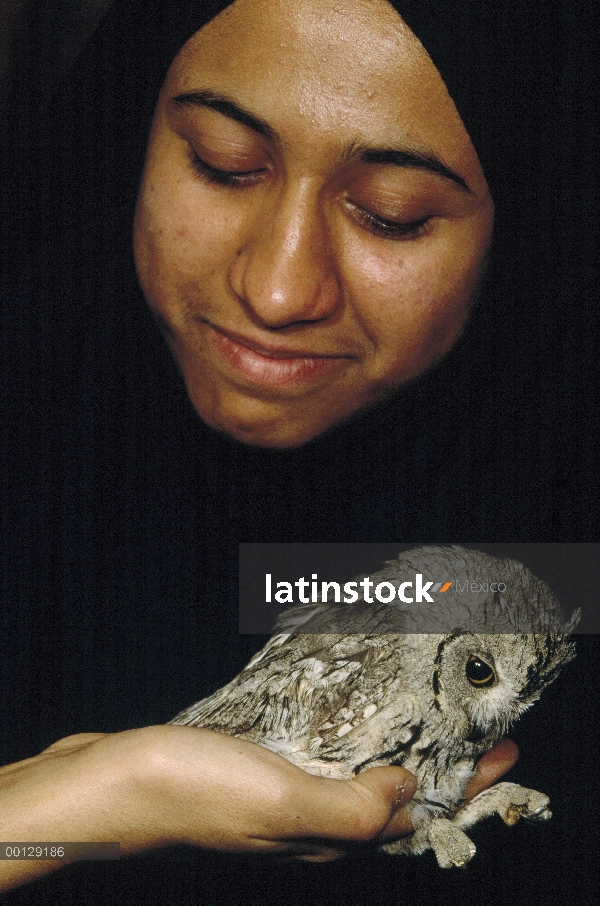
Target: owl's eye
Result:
[479, 673]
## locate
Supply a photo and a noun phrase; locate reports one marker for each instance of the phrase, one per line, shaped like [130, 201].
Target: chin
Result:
[277, 424]
[276, 431]
[276, 436]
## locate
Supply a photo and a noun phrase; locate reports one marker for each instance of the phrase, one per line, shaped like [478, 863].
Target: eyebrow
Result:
[228, 108]
[398, 157]
[417, 160]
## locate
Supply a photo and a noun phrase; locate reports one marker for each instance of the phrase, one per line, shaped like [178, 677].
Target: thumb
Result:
[360, 809]
[398, 786]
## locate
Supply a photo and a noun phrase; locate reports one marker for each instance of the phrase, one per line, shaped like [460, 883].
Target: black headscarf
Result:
[521, 73]
[510, 407]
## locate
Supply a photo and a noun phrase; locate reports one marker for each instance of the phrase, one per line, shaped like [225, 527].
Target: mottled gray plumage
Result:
[336, 704]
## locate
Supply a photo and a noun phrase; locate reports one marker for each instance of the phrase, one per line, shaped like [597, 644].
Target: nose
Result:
[285, 271]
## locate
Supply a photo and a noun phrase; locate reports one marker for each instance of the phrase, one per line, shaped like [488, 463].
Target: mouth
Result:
[272, 366]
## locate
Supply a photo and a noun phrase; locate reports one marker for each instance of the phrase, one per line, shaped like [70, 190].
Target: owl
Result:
[387, 688]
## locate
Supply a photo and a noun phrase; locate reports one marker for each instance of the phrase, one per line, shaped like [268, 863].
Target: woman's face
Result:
[313, 218]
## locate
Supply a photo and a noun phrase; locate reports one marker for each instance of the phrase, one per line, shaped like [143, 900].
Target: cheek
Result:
[412, 300]
[181, 239]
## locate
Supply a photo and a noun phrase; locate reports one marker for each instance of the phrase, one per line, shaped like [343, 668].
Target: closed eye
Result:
[391, 229]
[387, 229]
[234, 178]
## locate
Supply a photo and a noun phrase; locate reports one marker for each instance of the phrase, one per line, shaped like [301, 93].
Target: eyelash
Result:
[390, 229]
[224, 177]
[386, 229]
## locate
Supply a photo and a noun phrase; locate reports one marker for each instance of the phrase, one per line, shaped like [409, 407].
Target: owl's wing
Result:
[332, 704]
[233, 707]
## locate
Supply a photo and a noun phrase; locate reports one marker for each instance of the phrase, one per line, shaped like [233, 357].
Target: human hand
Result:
[172, 784]
[165, 785]
[220, 792]
[216, 791]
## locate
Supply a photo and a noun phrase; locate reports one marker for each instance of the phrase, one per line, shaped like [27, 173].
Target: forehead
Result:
[344, 69]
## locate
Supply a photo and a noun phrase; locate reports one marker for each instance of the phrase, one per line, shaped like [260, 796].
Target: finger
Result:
[491, 766]
[399, 825]
[359, 810]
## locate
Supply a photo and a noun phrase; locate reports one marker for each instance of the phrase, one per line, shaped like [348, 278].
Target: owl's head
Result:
[483, 683]
[472, 590]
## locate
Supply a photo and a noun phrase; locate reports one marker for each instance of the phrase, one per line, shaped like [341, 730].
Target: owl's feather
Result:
[336, 704]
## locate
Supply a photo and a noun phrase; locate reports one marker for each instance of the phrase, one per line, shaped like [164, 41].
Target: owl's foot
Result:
[447, 838]
[509, 800]
[450, 844]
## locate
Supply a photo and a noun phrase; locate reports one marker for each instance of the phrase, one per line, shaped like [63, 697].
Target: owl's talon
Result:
[540, 814]
[510, 801]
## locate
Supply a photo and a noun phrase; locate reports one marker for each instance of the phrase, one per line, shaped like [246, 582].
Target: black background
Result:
[122, 513]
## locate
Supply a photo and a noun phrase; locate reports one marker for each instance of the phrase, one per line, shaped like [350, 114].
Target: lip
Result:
[272, 366]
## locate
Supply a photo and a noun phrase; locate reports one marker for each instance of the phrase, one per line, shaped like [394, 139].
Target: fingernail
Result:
[405, 792]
